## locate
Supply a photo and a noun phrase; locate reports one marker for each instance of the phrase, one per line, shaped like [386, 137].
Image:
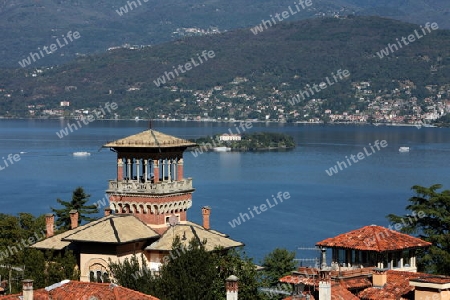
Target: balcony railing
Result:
[162, 187]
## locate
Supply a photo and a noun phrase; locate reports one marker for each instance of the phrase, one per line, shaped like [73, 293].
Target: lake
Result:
[320, 206]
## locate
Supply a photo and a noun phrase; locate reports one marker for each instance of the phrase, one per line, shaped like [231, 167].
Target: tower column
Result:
[119, 169]
[180, 169]
[145, 172]
[169, 170]
[137, 169]
[156, 170]
[129, 175]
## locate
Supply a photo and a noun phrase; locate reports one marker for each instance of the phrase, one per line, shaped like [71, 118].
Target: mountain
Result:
[252, 76]
[26, 25]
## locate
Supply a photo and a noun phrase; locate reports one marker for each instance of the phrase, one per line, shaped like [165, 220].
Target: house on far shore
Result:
[370, 263]
[229, 137]
[150, 198]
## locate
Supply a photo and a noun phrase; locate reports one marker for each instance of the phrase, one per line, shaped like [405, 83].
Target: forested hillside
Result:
[246, 69]
[26, 25]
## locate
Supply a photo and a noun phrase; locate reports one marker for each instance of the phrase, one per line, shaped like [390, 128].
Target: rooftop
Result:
[149, 139]
[76, 290]
[431, 282]
[113, 229]
[374, 238]
[188, 230]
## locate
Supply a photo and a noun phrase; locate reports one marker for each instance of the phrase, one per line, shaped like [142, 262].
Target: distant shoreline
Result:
[253, 121]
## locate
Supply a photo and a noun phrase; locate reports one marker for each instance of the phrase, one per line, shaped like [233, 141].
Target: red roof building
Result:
[374, 246]
[370, 263]
[76, 290]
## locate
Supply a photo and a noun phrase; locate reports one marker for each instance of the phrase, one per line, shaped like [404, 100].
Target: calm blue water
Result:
[320, 206]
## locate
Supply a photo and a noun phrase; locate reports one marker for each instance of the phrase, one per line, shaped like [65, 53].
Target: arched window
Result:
[92, 276]
[99, 276]
[98, 272]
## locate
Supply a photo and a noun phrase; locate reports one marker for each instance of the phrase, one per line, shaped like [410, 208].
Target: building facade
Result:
[149, 196]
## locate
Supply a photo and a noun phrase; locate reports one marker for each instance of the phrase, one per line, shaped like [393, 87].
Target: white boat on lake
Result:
[222, 149]
[403, 149]
[81, 153]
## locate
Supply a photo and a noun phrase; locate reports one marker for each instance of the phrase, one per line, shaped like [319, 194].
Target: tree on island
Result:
[79, 200]
[430, 220]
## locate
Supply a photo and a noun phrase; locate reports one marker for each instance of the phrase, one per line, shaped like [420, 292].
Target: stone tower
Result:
[150, 182]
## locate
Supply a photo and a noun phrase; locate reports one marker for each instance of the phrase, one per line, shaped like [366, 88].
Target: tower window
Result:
[169, 221]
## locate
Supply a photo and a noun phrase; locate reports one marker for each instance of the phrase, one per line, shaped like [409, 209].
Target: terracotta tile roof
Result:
[188, 230]
[340, 292]
[352, 283]
[398, 281]
[150, 139]
[356, 283]
[432, 279]
[374, 293]
[403, 276]
[374, 238]
[76, 290]
[337, 292]
[397, 285]
[295, 279]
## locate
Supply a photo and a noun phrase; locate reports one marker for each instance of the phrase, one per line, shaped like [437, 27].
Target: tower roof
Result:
[149, 139]
[374, 238]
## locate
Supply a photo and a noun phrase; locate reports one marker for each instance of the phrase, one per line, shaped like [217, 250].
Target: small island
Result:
[258, 141]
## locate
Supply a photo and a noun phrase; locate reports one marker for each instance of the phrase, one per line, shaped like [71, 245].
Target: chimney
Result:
[107, 211]
[27, 289]
[206, 212]
[324, 285]
[232, 287]
[379, 277]
[323, 258]
[50, 224]
[73, 219]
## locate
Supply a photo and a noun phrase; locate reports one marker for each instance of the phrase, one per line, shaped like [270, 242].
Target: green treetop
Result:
[79, 200]
[430, 220]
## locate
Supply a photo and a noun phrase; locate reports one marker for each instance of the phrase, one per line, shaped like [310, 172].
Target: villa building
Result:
[370, 263]
[149, 196]
[230, 137]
